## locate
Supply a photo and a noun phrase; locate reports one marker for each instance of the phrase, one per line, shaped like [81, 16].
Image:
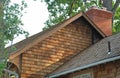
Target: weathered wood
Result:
[56, 49]
[54, 29]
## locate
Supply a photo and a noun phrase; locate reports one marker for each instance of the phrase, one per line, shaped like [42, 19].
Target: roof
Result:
[97, 53]
[31, 41]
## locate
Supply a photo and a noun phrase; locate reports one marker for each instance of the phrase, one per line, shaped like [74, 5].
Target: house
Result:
[97, 61]
[80, 47]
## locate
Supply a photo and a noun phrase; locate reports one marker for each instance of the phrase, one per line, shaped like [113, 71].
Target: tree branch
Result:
[107, 4]
[115, 6]
[71, 6]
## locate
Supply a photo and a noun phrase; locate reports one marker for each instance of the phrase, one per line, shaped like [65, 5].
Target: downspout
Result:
[11, 72]
[84, 67]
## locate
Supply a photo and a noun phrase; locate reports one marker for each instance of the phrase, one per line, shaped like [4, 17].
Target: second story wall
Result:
[56, 49]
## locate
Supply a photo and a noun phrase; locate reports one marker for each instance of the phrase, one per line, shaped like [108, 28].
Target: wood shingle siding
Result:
[45, 53]
[55, 50]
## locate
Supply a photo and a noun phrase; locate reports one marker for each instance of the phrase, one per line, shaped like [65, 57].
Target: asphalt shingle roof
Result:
[94, 53]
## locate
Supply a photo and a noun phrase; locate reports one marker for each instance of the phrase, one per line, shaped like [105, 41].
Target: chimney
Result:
[102, 18]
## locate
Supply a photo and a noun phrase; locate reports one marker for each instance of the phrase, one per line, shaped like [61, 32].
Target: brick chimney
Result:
[102, 18]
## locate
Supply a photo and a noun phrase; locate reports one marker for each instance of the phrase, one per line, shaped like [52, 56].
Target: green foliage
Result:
[2, 66]
[12, 20]
[60, 10]
[116, 25]
[10, 26]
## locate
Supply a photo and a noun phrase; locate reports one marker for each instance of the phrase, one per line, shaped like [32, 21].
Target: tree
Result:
[10, 26]
[116, 10]
[60, 10]
[113, 6]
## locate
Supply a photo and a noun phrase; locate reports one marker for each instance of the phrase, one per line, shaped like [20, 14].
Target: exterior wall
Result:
[16, 61]
[107, 70]
[15, 65]
[76, 74]
[55, 50]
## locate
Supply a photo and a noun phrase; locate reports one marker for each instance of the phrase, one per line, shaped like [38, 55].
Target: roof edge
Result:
[93, 24]
[46, 34]
[84, 67]
[53, 29]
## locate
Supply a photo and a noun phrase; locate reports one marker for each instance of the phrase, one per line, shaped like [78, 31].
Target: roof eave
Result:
[54, 29]
[48, 33]
[84, 67]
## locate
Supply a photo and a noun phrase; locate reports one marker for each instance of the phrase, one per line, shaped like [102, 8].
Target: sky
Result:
[34, 18]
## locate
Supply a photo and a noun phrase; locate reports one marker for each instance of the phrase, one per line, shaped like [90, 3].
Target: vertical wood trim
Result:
[20, 65]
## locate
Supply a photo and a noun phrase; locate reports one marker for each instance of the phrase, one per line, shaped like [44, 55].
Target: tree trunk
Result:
[2, 44]
[115, 6]
[107, 4]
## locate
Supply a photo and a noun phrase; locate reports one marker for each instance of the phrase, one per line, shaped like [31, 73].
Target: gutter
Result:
[11, 72]
[84, 67]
